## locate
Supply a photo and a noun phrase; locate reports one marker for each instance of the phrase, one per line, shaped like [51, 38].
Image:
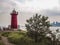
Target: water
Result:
[51, 28]
[54, 28]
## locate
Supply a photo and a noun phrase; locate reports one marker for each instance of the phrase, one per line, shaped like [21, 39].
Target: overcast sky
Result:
[28, 8]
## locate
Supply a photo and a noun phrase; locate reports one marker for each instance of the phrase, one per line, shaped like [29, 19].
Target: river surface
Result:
[51, 28]
[54, 28]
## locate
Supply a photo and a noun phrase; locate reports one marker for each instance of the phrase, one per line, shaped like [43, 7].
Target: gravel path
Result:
[5, 41]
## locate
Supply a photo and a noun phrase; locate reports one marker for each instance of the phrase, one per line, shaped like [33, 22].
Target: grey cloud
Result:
[6, 6]
[3, 0]
[21, 1]
[51, 12]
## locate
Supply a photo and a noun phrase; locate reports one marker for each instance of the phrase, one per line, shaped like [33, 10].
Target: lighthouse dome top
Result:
[14, 12]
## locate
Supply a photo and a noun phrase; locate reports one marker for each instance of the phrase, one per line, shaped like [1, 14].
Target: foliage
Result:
[37, 27]
[1, 43]
[19, 39]
[5, 34]
[0, 37]
[23, 39]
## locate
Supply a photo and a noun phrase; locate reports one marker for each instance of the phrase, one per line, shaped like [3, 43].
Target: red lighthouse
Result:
[14, 24]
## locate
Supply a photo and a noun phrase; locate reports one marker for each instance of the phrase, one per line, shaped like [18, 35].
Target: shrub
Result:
[5, 34]
[14, 37]
[0, 37]
[19, 39]
[1, 43]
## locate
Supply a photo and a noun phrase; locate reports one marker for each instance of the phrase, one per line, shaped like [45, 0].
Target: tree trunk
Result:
[36, 37]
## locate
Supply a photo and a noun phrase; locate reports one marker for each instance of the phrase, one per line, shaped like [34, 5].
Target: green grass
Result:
[21, 38]
[1, 43]
[5, 34]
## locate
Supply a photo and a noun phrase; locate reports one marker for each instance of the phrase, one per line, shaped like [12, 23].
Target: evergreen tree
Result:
[37, 27]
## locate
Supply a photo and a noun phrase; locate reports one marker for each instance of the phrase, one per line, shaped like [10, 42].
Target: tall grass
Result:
[21, 38]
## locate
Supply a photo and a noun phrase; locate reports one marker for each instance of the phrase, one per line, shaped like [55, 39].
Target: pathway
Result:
[5, 41]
